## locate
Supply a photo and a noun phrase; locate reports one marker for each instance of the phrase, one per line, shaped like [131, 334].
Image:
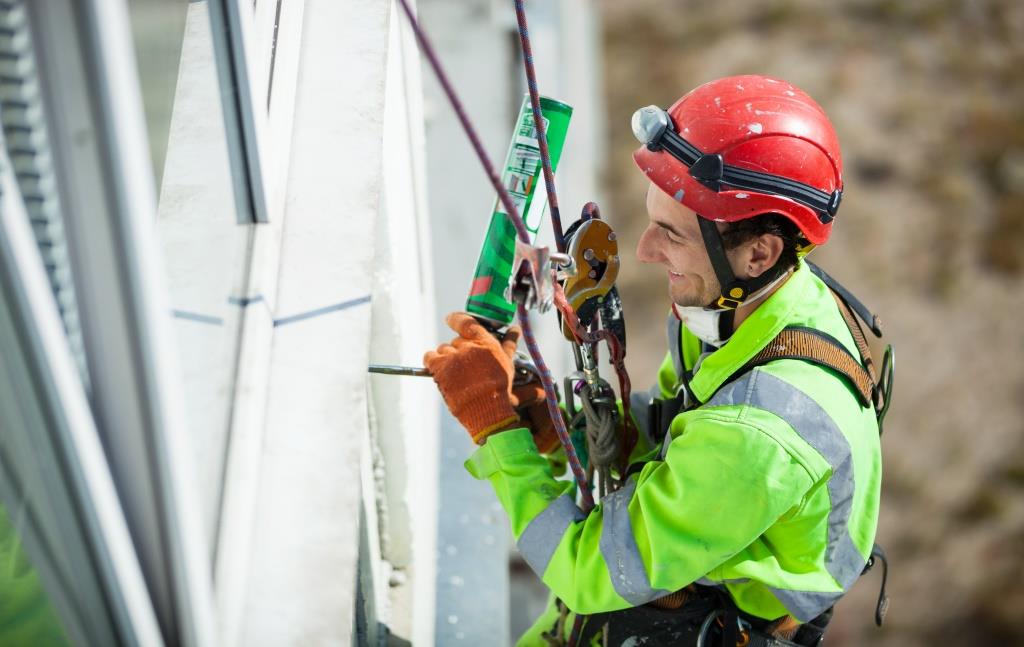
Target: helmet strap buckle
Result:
[728, 303]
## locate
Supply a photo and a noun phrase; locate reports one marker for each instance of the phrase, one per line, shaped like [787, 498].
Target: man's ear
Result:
[763, 253]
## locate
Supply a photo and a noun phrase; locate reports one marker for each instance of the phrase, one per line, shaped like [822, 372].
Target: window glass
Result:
[204, 249]
[158, 28]
[26, 615]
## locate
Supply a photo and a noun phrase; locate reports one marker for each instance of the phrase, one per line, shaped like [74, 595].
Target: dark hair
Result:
[741, 231]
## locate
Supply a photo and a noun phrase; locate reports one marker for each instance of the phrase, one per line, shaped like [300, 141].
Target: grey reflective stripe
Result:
[842, 559]
[706, 581]
[640, 407]
[675, 329]
[664, 445]
[542, 535]
[700, 359]
[806, 605]
[620, 552]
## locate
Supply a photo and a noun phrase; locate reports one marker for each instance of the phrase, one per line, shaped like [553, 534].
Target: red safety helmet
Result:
[742, 146]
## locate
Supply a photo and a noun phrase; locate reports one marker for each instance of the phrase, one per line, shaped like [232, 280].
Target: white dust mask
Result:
[705, 323]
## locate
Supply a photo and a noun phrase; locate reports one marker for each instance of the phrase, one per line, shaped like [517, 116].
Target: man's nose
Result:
[647, 250]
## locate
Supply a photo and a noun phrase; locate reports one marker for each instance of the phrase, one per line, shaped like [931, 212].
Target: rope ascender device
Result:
[513, 276]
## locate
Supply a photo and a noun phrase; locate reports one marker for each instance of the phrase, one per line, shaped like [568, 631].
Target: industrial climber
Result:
[751, 503]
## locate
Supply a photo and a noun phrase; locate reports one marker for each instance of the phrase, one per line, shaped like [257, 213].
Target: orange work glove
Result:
[532, 406]
[474, 375]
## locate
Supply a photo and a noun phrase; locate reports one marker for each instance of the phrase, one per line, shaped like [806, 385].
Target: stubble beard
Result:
[687, 298]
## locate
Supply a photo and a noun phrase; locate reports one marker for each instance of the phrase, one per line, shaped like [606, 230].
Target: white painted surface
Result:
[204, 255]
[282, 44]
[406, 429]
[306, 532]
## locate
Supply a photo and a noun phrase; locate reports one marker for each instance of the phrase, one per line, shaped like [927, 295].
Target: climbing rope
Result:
[590, 210]
[513, 215]
[538, 120]
[603, 441]
[604, 444]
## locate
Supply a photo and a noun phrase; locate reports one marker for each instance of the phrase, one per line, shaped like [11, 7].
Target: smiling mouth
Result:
[674, 276]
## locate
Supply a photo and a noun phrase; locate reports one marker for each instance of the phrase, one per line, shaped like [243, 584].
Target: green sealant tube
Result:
[521, 176]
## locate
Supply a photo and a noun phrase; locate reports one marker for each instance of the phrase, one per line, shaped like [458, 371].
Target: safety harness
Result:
[702, 616]
[872, 387]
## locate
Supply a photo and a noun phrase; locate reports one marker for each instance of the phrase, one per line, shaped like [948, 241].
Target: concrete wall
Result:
[348, 473]
[325, 531]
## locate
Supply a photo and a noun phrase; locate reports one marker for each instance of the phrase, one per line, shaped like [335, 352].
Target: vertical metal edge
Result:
[75, 436]
[281, 105]
[150, 403]
[108, 39]
[244, 124]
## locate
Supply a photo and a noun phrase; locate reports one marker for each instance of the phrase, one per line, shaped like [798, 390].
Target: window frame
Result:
[89, 83]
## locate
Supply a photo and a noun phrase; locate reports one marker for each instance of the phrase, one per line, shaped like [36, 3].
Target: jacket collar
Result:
[759, 328]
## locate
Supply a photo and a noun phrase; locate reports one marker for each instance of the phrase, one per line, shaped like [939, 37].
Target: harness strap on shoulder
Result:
[810, 345]
[858, 337]
[847, 297]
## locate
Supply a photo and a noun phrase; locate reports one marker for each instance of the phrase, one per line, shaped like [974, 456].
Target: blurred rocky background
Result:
[928, 100]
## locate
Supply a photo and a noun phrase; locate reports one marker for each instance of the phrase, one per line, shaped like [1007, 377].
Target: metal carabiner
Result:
[742, 627]
[706, 626]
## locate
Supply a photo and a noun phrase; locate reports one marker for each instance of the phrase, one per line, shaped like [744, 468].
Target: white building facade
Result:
[214, 215]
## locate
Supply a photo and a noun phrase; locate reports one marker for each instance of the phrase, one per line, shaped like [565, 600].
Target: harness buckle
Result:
[883, 390]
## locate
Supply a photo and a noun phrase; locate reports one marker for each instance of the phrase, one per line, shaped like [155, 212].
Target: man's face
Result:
[673, 240]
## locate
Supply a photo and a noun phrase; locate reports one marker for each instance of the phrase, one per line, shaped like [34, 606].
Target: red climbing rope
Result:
[590, 210]
[538, 120]
[513, 215]
[582, 335]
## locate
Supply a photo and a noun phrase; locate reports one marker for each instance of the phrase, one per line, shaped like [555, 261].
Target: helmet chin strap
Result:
[714, 322]
[735, 291]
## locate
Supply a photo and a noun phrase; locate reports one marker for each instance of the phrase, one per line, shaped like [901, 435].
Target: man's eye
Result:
[672, 237]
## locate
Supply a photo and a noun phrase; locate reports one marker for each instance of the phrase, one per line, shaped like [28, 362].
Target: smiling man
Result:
[756, 507]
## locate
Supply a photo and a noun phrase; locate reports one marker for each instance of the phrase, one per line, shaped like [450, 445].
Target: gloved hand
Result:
[474, 374]
[531, 404]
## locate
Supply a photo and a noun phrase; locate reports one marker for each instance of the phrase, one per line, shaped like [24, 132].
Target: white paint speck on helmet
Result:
[755, 128]
[742, 196]
[679, 195]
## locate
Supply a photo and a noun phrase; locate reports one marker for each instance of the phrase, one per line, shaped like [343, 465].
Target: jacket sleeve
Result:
[722, 484]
